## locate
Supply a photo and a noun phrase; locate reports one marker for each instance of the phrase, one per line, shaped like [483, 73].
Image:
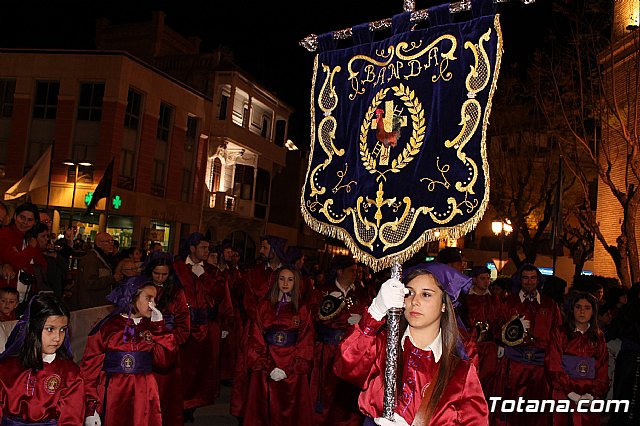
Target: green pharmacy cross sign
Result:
[116, 202]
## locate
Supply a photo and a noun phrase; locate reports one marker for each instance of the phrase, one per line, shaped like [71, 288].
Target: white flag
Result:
[36, 177]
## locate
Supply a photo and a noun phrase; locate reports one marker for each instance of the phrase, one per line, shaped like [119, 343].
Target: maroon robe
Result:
[362, 362]
[335, 401]
[132, 399]
[483, 308]
[520, 379]
[287, 402]
[200, 353]
[581, 345]
[234, 325]
[170, 379]
[256, 284]
[55, 392]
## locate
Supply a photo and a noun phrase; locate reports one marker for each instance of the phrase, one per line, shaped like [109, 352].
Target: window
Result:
[262, 193]
[132, 113]
[265, 130]
[224, 104]
[190, 147]
[164, 122]
[280, 137]
[7, 89]
[46, 102]
[243, 182]
[216, 174]
[90, 103]
[157, 178]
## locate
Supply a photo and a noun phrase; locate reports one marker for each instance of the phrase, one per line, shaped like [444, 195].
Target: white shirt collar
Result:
[478, 292]
[522, 296]
[435, 346]
[191, 262]
[48, 358]
[136, 320]
[343, 290]
[588, 326]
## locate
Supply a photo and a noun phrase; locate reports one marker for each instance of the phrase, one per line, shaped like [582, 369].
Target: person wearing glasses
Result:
[95, 280]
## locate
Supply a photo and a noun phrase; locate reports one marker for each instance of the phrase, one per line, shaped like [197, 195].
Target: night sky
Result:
[263, 35]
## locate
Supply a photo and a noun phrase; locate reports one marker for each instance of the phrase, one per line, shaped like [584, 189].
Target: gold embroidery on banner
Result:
[414, 106]
[378, 72]
[341, 175]
[432, 182]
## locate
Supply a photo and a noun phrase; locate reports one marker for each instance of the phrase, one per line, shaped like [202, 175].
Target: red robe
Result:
[334, 400]
[55, 392]
[517, 379]
[483, 308]
[582, 345]
[132, 399]
[11, 252]
[234, 325]
[256, 284]
[200, 353]
[288, 401]
[362, 362]
[170, 379]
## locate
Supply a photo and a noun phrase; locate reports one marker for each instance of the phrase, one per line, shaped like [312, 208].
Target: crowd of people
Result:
[300, 345]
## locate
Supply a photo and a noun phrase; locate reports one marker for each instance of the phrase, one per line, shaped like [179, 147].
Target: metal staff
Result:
[393, 341]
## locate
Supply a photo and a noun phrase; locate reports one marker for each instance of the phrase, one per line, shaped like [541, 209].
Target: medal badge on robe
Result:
[398, 131]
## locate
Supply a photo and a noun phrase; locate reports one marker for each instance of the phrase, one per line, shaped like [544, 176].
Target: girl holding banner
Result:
[436, 383]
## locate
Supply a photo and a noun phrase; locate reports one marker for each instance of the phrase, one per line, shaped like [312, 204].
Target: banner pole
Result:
[393, 343]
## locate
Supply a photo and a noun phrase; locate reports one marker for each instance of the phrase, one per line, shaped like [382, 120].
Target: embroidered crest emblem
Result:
[296, 321]
[128, 362]
[52, 383]
[582, 368]
[146, 336]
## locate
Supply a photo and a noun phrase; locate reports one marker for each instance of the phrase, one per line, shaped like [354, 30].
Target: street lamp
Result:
[75, 183]
[501, 228]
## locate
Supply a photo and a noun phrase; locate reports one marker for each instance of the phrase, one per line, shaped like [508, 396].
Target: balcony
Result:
[221, 201]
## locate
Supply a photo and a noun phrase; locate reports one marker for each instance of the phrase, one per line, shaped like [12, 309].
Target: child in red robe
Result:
[39, 382]
[577, 362]
[436, 383]
[280, 356]
[120, 355]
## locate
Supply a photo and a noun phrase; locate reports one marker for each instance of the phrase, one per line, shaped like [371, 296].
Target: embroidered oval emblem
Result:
[52, 383]
[582, 368]
[296, 321]
[128, 362]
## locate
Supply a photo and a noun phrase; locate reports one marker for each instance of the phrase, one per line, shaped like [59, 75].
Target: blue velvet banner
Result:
[398, 128]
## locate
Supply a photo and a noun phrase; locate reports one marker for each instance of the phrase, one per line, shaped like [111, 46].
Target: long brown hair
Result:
[274, 295]
[448, 360]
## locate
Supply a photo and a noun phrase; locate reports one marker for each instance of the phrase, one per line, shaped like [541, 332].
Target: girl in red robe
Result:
[436, 383]
[577, 362]
[280, 356]
[172, 302]
[120, 355]
[39, 382]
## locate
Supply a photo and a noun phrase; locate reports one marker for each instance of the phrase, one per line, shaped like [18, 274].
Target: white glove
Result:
[500, 352]
[224, 334]
[156, 315]
[354, 319]
[574, 396]
[391, 295]
[587, 397]
[525, 323]
[398, 420]
[277, 374]
[93, 420]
